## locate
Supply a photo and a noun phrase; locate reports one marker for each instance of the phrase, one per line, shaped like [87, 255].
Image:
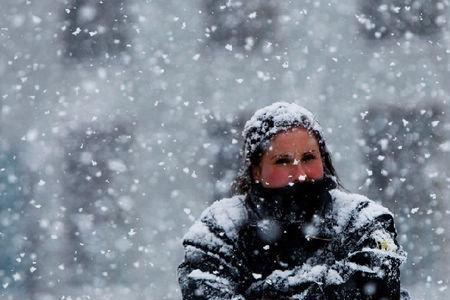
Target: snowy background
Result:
[120, 122]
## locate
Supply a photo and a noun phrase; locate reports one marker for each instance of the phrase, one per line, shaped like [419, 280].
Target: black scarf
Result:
[298, 202]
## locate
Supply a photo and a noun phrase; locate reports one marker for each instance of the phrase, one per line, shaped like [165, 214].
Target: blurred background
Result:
[120, 122]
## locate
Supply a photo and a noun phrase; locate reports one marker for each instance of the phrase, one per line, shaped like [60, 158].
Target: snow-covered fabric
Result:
[347, 251]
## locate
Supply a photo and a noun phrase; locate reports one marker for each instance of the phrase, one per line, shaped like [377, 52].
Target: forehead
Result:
[293, 140]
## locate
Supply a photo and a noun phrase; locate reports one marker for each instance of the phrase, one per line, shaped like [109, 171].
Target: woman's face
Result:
[293, 156]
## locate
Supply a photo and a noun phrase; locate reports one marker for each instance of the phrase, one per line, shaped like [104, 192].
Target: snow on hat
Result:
[272, 119]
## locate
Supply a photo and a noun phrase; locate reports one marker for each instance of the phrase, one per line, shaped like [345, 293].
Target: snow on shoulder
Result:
[346, 205]
[226, 215]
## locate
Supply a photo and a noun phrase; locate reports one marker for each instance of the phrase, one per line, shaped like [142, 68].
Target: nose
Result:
[298, 173]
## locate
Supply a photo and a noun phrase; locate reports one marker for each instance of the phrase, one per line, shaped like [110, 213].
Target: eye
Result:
[308, 157]
[282, 161]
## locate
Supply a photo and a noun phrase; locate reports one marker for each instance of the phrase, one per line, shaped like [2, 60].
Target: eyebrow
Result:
[311, 151]
[281, 156]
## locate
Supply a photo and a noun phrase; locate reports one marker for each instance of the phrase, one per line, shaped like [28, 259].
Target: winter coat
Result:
[239, 249]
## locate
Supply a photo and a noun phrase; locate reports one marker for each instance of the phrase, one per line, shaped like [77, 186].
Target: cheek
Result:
[315, 170]
[276, 176]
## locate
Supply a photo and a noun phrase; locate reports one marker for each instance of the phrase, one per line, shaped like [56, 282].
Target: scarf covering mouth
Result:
[299, 201]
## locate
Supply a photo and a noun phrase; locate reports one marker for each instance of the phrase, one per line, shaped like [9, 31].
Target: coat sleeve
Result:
[368, 268]
[212, 268]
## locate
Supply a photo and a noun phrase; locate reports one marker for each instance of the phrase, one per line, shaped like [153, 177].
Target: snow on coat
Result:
[349, 251]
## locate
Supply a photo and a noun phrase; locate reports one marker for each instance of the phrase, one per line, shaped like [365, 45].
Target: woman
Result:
[291, 232]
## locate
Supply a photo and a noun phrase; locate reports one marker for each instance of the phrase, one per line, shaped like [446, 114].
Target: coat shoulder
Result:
[228, 214]
[356, 210]
[222, 219]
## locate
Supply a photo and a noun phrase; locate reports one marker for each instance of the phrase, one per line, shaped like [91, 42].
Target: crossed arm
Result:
[213, 270]
[370, 270]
